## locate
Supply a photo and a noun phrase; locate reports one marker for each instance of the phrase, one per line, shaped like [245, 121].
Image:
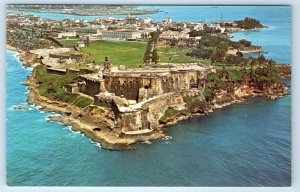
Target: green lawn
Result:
[52, 86]
[177, 56]
[129, 54]
[68, 42]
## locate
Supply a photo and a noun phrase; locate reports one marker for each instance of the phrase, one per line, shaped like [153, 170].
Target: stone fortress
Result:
[139, 97]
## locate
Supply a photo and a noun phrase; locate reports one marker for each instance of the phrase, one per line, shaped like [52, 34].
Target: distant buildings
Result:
[131, 20]
[147, 20]
[168, 21]
[198, 26]
[174, 35]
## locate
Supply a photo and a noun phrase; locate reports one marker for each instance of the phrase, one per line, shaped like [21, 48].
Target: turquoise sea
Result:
[247, 144]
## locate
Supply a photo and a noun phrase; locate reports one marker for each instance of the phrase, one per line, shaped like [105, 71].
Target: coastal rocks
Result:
[55, 118]
[284, 70]
[243, 92]
[20, 107]
[29, 59]
[276, 90]
[194, 105]
[167, 138]
[223, 99]
[94, 119]
[24, 83]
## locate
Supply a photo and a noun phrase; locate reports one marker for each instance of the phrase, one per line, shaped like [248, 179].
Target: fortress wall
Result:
[133, 121]
[129, 86]
[181, 80]
[103, 101]
[56, 71]
[133, 87]
[90, 87]
[156, 109]
[79, 57]
[148, 116]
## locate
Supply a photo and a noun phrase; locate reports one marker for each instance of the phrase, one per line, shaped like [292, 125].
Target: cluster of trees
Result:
[215, 48]
[206, 31]
[211, 47]
[249, 23]
[267, 74]
[245, 43]
[151, 51]
[195, 33]
[241, 61]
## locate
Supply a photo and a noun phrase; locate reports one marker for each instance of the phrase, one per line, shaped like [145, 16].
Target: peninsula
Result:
[83, 10]
[122, 81]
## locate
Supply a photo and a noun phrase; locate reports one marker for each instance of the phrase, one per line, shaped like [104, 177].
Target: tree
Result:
[239, 54]
[147, 55]
[245, 43]
[173, 42]
[261, 59]
[249, 23]
[87, 41]
[155, 57]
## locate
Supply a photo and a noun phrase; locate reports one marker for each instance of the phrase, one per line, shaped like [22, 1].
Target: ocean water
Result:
[247, 144]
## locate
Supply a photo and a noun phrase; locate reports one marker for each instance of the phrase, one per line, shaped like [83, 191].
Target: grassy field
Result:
[129, 54]
[68, 42]
[178, 56]
[52, 86]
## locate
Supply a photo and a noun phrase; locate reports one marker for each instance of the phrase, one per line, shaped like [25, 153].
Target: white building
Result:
[167, 21]
[199, 27]
[213, 26]
[121, 35]
[66, 34]
[170, 35]
[174, 35]
[147, 20]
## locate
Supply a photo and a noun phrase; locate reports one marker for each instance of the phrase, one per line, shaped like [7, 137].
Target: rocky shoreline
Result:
[85, 120]
[86, 125]
[226, 100]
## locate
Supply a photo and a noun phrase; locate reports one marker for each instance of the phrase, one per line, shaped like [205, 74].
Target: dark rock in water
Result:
[55, 118]
[167, 138]
[24, 83]
[20, 107]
